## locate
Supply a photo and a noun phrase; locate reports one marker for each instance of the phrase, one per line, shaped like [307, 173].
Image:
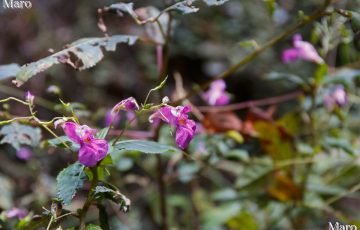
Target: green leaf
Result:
[69, 181]
[7, 71]
[320, 73]
[150, 147]
[102, 133]
[102, 192]
[93, 227]
[16, 135]
[59, 143]
[215, 2]
[87, 50]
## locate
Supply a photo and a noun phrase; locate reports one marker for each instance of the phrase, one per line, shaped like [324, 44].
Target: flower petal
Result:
[93, 152]
[184, 134]
[290, 55]
[70, 129]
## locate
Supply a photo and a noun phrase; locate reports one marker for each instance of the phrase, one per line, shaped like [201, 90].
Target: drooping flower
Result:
[92, 150]
[16, 213]
[177, 117]
[216, 95]
[128, 104]
[29, 97]
[24, 153]
[337, 98]
[301, 50]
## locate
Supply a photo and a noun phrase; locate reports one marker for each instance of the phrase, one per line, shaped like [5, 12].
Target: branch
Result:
[252, 103]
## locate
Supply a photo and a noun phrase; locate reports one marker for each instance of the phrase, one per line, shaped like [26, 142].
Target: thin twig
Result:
[252, 103]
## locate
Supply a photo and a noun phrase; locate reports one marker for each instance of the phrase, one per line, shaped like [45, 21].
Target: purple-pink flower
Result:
[92, 150]
[24, 153]
[128, 104]
[16, 213]
[216, 95]
[301, 50]
[177, 117]
[337, 98]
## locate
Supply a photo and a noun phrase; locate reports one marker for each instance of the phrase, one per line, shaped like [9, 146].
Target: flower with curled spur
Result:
[177, 117]
[216, 95]
[127, 105]
[301, 50]
[92, 150]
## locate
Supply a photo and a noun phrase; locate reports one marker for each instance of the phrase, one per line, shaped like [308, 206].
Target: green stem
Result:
[88, 201]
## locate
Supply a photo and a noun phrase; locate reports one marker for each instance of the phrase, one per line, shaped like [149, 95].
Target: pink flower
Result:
[301, 50]
[337, 98]
[128, 104]
[177, 117]
[16, 213]
[29, 97]
[216, 95]
[92, 150]
[24, 153]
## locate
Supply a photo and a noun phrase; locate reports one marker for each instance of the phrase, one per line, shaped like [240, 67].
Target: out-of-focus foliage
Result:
[277, 157]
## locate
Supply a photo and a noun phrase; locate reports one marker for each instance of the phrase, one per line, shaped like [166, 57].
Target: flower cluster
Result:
[92, 150]
[301, 50]
[216, 95]
[177, 117]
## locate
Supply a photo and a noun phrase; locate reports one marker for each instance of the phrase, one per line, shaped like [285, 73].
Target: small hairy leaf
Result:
[87, 51]
[9, 70]
[150, 147]
[69, 181]
[16, 135]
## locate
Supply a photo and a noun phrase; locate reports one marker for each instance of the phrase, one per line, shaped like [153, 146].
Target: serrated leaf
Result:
[16, 135]
[87, 50]
[7, 71]
[150, 147]
[93, 227]
[69, 181]
[215, 2]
